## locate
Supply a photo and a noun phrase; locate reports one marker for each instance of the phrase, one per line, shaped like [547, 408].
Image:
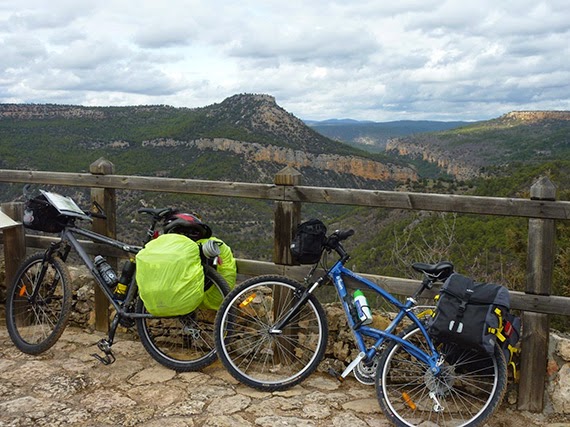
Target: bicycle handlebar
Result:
[157, 213]
[333, 242]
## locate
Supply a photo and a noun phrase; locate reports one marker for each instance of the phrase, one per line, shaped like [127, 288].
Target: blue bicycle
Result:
[271, 333]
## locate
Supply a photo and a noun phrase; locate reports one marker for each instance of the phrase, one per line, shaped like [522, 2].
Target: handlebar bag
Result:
[469, 314]
[308, 241]
[41, 215]
[227, 268]
[170, 275]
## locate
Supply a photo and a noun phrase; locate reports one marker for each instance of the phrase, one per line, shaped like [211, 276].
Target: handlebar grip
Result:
[344, 234]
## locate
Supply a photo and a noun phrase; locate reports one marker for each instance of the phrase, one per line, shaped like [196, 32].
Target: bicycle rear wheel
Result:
[468, 390]
[184, 343]
[38, 304]
[258, 357]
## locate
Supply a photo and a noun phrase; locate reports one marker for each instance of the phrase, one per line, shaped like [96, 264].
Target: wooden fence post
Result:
[14, 241]
[287, 216]
[540, 265]
[107, 199]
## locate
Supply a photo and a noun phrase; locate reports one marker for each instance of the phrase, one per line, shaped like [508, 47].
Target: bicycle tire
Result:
[469, 388]
[35, 326]
[253, 355]
[182, 343]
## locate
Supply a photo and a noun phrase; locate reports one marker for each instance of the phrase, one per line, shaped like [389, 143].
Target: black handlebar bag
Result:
[469, 314]
[308, 241]
[41, 215]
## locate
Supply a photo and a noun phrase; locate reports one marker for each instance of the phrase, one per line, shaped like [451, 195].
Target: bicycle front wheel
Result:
[466, 392]
[38, 304]
[253, 353]
[184, 343]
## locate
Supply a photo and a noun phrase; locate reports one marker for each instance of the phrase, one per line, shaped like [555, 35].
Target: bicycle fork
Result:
[303, 296]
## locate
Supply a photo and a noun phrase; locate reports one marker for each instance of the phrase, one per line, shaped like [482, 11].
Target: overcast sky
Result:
[365, 60]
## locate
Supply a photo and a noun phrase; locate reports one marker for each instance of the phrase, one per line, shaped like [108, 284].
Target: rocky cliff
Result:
[536, 116]
[462, 167]
[251, 126]
[255, 152]
[518, 136]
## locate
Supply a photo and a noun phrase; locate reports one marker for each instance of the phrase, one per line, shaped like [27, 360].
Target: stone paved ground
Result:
[66, 386]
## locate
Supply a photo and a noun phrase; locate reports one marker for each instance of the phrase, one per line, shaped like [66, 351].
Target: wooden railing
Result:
[542, 210]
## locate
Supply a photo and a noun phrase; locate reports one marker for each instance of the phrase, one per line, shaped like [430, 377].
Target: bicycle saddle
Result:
[440, 271]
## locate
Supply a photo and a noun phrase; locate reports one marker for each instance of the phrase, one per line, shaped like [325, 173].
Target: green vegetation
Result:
[512, 152]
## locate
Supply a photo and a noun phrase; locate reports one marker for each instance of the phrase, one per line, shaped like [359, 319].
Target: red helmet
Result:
[189, 225]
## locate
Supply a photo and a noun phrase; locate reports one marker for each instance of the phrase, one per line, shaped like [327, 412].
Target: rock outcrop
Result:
[357, 166]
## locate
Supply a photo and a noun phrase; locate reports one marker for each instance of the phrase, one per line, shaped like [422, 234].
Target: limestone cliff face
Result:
[443, 158]
[463, 154]
[535, 116]
[360, 167]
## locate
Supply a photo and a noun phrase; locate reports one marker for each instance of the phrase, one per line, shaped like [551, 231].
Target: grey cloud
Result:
[320, 59]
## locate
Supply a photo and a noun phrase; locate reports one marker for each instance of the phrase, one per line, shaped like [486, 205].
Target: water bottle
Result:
[362, 308]
[120, 292]
[109, 276]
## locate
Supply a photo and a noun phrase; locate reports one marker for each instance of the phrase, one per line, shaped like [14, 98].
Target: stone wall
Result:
[558, 386]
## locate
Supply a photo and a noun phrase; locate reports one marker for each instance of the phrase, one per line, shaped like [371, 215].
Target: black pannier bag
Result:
[41, 215]
[307, 244]
[470, 314]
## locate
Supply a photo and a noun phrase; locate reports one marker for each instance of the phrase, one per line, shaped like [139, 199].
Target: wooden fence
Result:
[542, 210]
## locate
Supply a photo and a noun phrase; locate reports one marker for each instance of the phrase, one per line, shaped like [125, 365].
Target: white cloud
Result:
[416, 59]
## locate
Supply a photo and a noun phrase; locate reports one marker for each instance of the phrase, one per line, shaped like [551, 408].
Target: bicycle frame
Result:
[68, 238]
[335, 273]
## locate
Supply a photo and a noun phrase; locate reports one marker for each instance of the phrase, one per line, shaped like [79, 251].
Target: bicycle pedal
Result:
[335, 374]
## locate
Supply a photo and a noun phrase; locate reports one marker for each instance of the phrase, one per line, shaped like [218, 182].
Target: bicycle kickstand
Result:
[105, 344]
[340, 377]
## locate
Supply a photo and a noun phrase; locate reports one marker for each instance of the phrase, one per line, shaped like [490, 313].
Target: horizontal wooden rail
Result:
[145, 183]
[432, 202]
[372, 198]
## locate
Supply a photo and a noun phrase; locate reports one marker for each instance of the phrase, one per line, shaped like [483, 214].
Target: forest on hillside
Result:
[386, 242]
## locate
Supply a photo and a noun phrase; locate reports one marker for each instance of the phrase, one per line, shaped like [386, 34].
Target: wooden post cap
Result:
[288, 176]
[543, 189]
[102, 166]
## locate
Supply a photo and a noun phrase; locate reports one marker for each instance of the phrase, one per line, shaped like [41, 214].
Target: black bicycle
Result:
[39, 300]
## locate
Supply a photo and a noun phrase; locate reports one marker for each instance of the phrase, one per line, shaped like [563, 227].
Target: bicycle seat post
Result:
[427, 283]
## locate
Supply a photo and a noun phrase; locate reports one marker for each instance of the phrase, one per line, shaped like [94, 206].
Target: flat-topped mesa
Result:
[533, 116]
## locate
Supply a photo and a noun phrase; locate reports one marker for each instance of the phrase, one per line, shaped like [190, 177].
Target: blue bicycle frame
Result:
[336, 273]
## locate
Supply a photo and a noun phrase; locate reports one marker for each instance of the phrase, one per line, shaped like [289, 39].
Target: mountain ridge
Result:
[170, 141]
[373, 136]
[526, 137]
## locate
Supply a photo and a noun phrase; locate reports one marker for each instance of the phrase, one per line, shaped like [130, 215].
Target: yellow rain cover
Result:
[170, 275]
[227, 269]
